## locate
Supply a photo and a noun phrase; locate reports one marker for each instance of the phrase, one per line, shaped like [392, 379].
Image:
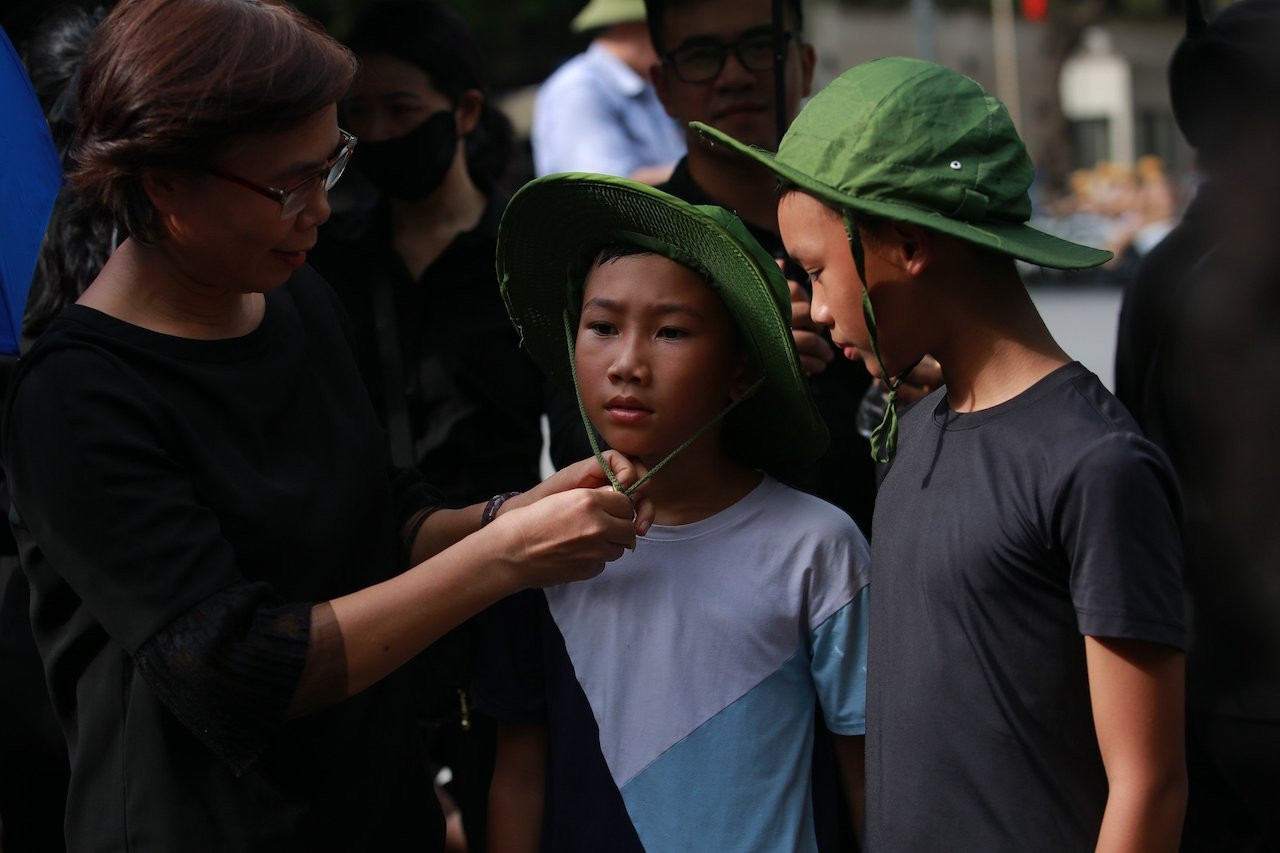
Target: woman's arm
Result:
[1136, 689]
[564, 537]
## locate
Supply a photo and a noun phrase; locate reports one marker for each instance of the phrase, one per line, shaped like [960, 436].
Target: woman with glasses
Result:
[200, 487]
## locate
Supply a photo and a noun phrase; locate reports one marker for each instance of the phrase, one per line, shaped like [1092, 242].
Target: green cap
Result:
[551, 232]
[912, 141]
[606, 13]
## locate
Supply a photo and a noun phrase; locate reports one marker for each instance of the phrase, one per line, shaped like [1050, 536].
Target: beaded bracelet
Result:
[491, 508]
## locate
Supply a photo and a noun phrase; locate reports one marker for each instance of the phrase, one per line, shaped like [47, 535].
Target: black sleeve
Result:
[227, 668]
[1119, 518]
[509, 682]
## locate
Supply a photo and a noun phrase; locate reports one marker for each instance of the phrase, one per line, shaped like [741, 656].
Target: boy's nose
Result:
[819, 310]
[628, 364]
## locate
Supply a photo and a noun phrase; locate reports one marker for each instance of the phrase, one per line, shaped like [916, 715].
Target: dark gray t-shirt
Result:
[1001, 538]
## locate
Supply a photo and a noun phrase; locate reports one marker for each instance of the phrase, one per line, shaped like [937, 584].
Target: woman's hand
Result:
[566, 536]
[587, 474]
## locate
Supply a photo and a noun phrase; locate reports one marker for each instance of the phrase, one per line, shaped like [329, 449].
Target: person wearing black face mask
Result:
[413, 165]
[459, 398]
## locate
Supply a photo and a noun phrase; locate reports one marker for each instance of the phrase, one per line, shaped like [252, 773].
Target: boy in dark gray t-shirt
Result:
[1025, 676]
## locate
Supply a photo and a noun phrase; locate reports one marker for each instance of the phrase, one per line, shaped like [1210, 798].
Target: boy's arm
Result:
[517, 791]
[1136, 689]
[851, 755]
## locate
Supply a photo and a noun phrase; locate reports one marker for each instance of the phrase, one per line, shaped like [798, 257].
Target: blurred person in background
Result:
[1198, 364]
[79, 238]
[460, 400]
[598, 112]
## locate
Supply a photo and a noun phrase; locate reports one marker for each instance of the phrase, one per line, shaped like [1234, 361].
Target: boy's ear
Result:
[911, 247]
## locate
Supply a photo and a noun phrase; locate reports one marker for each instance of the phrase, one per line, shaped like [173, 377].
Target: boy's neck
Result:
[694, 486]
[996, 345]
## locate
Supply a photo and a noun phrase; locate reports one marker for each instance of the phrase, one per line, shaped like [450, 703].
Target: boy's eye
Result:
[600, 327]
[670, 333]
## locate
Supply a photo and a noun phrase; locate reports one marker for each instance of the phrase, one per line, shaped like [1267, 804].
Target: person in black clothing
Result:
[462, 402]
[1196, 365]
[201, 493]
[414, 267]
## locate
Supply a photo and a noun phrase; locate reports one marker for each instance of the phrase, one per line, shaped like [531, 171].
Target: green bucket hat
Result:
[908, 140]
[911, 141]
[605, 13]
[551, 232]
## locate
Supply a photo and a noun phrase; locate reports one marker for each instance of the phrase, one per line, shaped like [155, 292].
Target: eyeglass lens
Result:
[296, 199]
[702, 60]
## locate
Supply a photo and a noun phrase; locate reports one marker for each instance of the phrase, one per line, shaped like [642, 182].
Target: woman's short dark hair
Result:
[172, 83]
[431, 36]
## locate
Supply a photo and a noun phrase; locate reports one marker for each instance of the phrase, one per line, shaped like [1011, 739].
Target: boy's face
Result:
[815, 238]
[657, 355]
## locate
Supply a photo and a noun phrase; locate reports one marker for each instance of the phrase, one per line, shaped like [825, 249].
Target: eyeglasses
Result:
[701, 59]
[293, 199]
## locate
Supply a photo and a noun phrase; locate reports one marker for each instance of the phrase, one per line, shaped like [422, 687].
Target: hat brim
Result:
[1017, 240]
[554, 227]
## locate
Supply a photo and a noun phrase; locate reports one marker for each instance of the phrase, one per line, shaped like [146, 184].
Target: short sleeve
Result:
[1119, 519]
[228, 668]
[105, 500]
[839, 665]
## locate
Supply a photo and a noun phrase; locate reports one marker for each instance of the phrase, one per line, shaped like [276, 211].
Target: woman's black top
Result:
[179, 506]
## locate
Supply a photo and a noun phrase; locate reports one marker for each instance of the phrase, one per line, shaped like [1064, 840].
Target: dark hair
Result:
[656, 10]
[78, 239]
[435, 38]
[172, 83]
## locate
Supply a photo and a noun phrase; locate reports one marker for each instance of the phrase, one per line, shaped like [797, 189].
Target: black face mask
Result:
[411, 166]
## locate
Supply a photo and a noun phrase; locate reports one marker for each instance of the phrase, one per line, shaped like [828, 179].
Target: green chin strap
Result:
[591, 432]
[884, 438]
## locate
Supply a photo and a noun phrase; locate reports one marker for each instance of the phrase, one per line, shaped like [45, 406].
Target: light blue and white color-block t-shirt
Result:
[679, 686]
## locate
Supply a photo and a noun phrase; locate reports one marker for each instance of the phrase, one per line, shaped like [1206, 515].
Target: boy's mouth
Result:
[626, 410]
